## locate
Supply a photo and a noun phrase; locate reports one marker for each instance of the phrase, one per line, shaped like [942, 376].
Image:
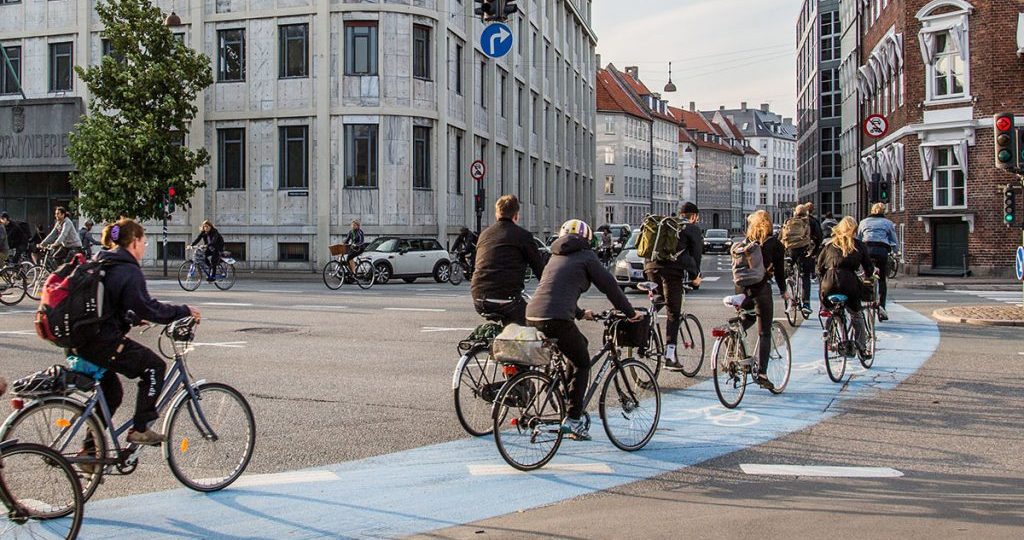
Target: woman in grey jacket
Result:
[879, 233]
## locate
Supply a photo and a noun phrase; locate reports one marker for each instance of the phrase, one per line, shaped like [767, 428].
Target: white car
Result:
[628, 267]
[408, 258]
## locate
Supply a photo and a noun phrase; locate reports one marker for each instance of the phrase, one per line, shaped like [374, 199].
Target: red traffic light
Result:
[1004, 123]
[170, 192]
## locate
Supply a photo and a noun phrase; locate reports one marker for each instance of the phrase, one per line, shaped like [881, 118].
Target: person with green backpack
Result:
[672, 249]
[798, 237]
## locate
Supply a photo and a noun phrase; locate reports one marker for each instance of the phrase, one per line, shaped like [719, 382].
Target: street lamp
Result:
[172, 20]
[670, 87]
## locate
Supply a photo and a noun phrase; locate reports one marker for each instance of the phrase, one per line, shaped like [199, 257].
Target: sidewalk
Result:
[944, 283]
[991, 315]
[261, 275]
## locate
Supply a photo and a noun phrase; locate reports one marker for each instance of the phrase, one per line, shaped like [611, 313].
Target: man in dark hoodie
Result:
[125, 243]
[554, 309]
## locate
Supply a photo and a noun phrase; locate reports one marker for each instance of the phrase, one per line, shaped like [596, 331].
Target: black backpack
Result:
[73, 304]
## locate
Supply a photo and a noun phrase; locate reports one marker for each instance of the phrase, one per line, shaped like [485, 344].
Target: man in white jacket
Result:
[64, 237]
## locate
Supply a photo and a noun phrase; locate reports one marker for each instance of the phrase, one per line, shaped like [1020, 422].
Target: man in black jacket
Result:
[669, 275]
[555, 306]
[503, 252]
[17, 235]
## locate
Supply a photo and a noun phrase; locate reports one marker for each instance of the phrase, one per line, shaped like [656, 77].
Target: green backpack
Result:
[659, 238]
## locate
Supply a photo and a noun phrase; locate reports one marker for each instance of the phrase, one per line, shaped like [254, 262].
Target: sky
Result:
[723, 52]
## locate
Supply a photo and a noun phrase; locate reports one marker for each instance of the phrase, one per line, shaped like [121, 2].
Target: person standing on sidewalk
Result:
[670, 274]
[879, 233]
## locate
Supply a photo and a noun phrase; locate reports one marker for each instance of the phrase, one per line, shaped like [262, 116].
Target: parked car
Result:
[717, 241]
[408, 258]
[628, 267]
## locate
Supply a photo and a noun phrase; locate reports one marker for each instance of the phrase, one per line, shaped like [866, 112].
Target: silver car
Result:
[628, 267]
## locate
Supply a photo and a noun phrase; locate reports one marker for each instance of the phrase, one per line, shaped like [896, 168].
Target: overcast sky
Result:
[723, 52]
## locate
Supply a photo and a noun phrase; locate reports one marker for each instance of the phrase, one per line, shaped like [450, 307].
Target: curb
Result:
[942, 317]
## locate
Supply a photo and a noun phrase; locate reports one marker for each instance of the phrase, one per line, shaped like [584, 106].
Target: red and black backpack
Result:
[73, 305]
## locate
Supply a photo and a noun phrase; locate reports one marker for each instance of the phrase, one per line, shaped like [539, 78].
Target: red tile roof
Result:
[612, 97]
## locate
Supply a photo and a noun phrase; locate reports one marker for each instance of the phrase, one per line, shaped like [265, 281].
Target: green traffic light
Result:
[1008, 218]
[1005, 156]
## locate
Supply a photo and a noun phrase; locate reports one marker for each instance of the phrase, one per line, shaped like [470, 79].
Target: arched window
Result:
[945, 49]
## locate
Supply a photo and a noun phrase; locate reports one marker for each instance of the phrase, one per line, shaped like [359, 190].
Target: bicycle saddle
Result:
[838, 298]
[735, 300]
[647, 286]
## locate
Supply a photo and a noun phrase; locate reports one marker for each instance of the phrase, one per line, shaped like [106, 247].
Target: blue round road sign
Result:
[1020, 262]
[496, 40]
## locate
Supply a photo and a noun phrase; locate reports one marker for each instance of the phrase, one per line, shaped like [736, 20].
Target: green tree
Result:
[128, 150]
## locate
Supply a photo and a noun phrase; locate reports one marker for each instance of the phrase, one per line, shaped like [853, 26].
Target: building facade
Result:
[939, 70]
[326, 111]
[819, 161]
[715, 160]
[853, 197]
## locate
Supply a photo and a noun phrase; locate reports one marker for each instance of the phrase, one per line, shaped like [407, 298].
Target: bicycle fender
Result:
[458, 369]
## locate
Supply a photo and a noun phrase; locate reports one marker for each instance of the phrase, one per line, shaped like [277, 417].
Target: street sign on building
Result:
[876, 126]
[477, 170]
[1020, 262]
[496, 40]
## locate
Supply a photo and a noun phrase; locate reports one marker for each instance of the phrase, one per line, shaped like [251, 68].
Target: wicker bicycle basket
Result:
[338, 249]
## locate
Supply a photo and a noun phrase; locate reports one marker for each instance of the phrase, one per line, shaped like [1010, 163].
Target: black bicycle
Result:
[13, 284]
[839, 339]
[39, 491]
[689, 343]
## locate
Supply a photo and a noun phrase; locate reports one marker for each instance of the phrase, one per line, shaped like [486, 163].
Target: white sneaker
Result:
[671, 362]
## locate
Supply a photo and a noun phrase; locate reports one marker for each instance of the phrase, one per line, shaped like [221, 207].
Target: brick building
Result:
[939, 70]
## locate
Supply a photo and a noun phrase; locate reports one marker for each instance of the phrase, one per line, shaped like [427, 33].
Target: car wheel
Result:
[442, 270]
[383, 270]
[409, 279]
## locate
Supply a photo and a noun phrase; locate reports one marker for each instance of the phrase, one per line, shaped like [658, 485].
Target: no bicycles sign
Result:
[876, 126]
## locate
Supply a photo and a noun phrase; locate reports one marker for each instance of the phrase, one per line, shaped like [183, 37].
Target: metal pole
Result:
[165, 243]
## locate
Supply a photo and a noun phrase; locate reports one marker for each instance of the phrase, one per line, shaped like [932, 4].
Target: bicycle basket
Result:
[521, 345]
[634, 334]
[868, 291]
[338, 249]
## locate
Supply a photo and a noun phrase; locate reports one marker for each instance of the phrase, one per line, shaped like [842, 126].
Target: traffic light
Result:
[874, 187]
[478, 202]
[1009, 205]
[1007, 158]
[170, 199]
[510, 8]
[486, 9]
[884, 189]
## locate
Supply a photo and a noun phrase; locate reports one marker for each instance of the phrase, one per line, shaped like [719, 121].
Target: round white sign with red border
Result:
[876, 126]
[477, 170]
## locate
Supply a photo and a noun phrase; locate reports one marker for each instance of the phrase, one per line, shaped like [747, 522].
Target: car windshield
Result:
[717, 234]
[631, 243]
[385, 245]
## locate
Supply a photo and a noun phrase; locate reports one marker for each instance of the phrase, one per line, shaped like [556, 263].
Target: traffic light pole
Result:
[165, 243]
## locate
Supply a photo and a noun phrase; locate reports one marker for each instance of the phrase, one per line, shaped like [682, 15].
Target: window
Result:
[609, 155]
[520, 104]
[231, 57]
[294, 157]
[947, 70]
[420, 157]
[61, 62]
[609, 125]
[458, 163]
[236, 249]
[293, 252]
[458, 68]
[293, 56]
[609, 185]
[107, 48]
[949, 182]
[231, 158]
[361, 155]
[830, 36]
[176, 250]
[361, 48]
[8, 83]
[483, 84]
[502, 90]
[421, 52]
[536, 112]
[830, 99]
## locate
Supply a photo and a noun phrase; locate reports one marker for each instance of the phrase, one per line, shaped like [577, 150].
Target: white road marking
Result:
[495, 470]
[19, 332]
[920, 301]
[277, 291]
[226, 304]
[226, 344]
[820, 471]
[431, 310]
[711, 278]
[280, 479]
[311, 306]
[16, 311]
[428, 329]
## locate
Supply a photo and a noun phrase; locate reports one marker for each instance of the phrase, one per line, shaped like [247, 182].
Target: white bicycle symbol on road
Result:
[719, 416]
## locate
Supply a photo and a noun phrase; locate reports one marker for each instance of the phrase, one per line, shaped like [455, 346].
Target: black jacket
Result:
[844, 280]
[17, 235]
[502, 254]
[212, 239]
[691, 248]
[125, 287]
[569, 273]
[465, 242]
[816, 235]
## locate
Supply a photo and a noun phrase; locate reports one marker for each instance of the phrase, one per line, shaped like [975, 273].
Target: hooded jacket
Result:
[125, 287]
[569, 274]
[691, 249]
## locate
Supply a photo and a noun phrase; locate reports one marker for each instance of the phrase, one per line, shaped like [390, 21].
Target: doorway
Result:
[949, 244]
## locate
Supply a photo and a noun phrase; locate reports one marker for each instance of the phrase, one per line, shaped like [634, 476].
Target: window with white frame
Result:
[946, 72]
[609, 156]
[944, 41]
[949, 182]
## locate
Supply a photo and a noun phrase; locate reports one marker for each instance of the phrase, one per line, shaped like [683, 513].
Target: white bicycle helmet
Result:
[577, 226]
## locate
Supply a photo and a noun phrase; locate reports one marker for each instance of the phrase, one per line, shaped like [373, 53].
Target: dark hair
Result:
[62, 210]
[121, 234]
[507, 206]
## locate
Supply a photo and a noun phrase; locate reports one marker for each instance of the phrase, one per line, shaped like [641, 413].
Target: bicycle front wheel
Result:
[630, 405]
[835, 343]
[210, 439]
[780, 359]
[12, 286]
[41, 492]
[189, 276]
[894, 268]
[456, 274]
[528, 418]
[476, 385]
[365, 276]
[225, 278]
[35, 278]
[729, 376]
[334, 277]
[690, 346]
[792, 305]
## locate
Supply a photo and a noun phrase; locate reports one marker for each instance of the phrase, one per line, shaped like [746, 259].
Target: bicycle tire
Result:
[894, 268]
[869, 321]
[727, 374]
[225, 276]
[835, 360]
[690, 345]
[525, 399]
[35, 278]
[475, 387]
[189, 276]
[792, 306]
[183, 432]
[636, 391]
[29, 514]
[333, 275]
[456, 273]
[365, 275]
[780, 361]
[48, 418]
[654, 355]
[12, 286]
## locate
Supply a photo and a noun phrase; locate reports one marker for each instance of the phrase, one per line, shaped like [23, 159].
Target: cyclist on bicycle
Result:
[213, 244]
[63, 236]
[125, 243]
[4, 248]
[502, 254]
[555, 307]
[879, 234]
[837, 266]
[797, 237]
[465, 248]
[669, 275]
[356, 242]
[759, 295]
[18, 234]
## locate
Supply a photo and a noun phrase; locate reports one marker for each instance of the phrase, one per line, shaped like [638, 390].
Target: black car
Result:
[717, 241]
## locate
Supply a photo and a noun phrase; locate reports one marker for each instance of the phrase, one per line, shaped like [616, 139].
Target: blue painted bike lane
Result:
[463, 481]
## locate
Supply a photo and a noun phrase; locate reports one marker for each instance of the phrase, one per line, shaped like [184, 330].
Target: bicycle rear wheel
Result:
[780, 359]
[690, 345]
[476, 385]
[894, 268]
[792, 304]
[12, 286]
[41, 493]
[630, 405]
[209, 459]
[528, 418]
[365, 276]
[334, 277]
[654, 355]
[35, 278]
[456, 275]
[729, 376]
[835, 343]
[225, 276]
[872, 342]
[189, 276]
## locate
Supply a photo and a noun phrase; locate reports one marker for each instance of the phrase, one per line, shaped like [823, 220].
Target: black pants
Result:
[805, 263]
[212, 257]
[135, 362]
[670, 294]
[759, 297]
[510, 311]
[573, 345]
[881, 262]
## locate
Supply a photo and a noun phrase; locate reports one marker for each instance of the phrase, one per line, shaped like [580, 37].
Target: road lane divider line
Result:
[487, 469]
[819, 471]
[430, 329]
[429, 310]
[226, 304]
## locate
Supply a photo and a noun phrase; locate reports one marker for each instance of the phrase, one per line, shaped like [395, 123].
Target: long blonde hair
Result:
[842, 235]
[759, 226]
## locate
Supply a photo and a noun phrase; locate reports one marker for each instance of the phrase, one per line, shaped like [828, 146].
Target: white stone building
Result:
[774, 138]
[324, 111]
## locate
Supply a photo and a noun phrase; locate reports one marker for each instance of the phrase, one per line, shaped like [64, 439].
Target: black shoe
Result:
[882, 315]
[763, 382]
[211, 279]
